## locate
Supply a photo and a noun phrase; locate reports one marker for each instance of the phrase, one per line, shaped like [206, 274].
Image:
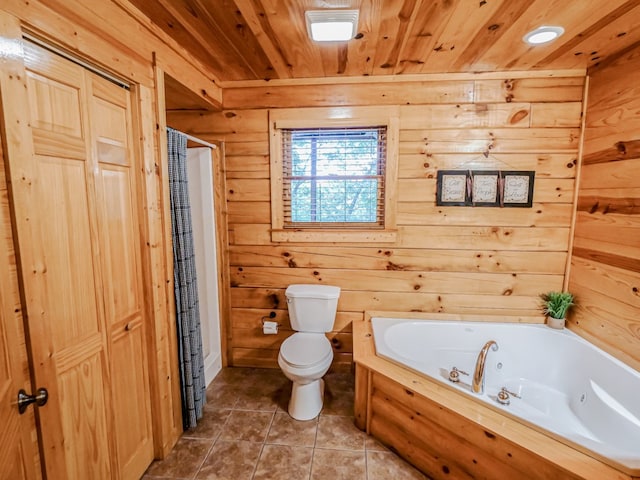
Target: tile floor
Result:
[247, 434]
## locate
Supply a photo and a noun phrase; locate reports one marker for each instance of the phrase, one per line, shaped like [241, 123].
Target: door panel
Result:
[121, 252]
[110, 118]
[77, 205]
[72, 343]
[122, 273]
[16, 469]
[48, 100]
[55, 106]
[82, 410]
[66, 242]
[132, 423]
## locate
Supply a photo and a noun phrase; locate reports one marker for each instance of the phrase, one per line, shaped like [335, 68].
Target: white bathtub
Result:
[567, 386]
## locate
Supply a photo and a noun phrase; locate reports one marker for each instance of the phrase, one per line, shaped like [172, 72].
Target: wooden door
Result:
[76, 210]
[18, 454]
[119, 243]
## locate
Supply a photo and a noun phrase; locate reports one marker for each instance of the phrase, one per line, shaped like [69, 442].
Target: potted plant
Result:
[555, 306]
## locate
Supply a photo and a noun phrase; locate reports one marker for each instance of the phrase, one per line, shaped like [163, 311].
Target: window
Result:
[333, 179]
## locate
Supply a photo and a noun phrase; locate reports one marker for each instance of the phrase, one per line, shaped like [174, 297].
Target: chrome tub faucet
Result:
[478, 374]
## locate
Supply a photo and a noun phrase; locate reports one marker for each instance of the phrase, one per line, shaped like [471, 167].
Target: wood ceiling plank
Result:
[603, 39]
[623, 55]
[514, 53]
[250, 40]
[394, 23]
[227, 19]
[334, 58]
[492, 33]
[178, 32]
[429, 21]
[362, 50]
[176, 60]
[183, 16]
[411, 10]
[601, 94]
[265, 36]
[287, 21]
[421, 38]
[223, 34]
[464, 23]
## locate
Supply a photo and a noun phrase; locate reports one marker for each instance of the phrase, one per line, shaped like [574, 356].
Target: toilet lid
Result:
[302, 349]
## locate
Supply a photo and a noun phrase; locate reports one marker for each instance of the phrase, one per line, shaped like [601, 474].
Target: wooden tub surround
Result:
[447, 435]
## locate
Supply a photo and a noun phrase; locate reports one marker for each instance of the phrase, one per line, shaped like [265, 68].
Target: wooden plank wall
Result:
[605, 267]
[116, 37]
[445, 259]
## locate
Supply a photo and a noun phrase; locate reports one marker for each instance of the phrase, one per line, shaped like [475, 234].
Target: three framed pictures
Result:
[485, 188]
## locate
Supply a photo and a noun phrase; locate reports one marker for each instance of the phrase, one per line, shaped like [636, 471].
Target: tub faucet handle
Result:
[454, 375]
[504, 396]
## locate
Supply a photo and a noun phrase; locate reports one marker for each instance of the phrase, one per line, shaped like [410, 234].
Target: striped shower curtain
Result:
[185, 284]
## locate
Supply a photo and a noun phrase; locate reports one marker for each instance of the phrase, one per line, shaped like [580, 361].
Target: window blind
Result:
[334, 177]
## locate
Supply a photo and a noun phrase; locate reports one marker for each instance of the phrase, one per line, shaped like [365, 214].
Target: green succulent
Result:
[556, 304]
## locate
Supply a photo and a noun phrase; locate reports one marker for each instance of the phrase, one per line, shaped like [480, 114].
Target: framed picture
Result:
[517, 190]
[484, 188]
[452, 188]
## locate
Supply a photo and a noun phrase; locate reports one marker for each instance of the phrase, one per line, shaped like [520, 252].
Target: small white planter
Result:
[557, 323]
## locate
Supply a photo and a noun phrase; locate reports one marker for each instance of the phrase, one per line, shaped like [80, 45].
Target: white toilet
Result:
[307, 354]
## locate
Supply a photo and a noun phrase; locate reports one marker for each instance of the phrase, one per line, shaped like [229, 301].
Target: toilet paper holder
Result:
[268, 318]
[269, 327]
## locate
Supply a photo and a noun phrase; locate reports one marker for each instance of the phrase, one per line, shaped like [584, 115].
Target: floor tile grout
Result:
[315, 442]
[263, 392]
[211, 447]
[264, 442]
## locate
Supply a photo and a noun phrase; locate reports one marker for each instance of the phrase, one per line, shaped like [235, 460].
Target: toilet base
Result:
[306, 400]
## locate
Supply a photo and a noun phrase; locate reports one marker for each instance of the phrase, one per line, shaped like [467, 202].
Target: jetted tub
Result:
[565, 385]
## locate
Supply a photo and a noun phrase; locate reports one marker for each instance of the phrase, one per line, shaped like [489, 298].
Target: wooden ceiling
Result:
[266, 39]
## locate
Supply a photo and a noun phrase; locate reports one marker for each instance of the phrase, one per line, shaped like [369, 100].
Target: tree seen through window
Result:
[335, 175]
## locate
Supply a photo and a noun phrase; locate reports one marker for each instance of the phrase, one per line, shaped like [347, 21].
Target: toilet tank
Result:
[312, 308]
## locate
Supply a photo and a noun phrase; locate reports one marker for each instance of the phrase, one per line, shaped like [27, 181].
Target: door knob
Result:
[24, 400]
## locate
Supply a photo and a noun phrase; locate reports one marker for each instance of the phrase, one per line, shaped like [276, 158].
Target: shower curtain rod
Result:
[197, 140]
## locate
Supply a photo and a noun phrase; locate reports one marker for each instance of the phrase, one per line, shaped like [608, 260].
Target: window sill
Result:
[334, 236]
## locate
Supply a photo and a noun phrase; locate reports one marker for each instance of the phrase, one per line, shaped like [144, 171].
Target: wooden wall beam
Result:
[578, 73]
[158, 270]
[422, 90]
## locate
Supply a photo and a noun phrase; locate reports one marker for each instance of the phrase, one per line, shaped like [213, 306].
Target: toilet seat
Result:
[305, 349]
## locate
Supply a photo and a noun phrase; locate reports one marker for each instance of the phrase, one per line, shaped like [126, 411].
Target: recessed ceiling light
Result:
[543, 35]
[332, 25]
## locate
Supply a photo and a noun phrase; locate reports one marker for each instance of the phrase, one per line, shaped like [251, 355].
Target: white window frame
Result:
[327, 118]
